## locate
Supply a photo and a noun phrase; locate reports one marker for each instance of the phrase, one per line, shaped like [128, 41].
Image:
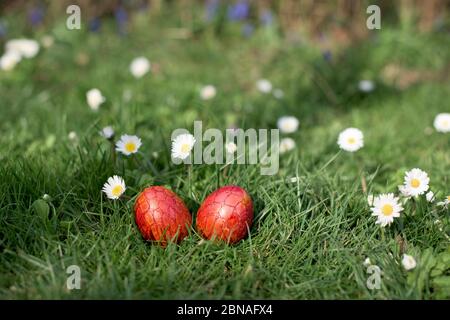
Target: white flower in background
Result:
[9, 60]
[416, 182]
[107, 132]
[444, 203]
[351, 139]
[294, 180]
[442, 122]
[278, 93]
[182, 145]
[367, 262]
[430, 196]
[386, 207]
[128, 144]
[231, 147]
[370, 199]
[208, 92]
[264, 85]
[286, 144]
[366, 85]
[139, 67]
[72, 136]
[26, 48]
[288, 124]
[47, 41]
[94, 98]
[114, 187]
[408, 262]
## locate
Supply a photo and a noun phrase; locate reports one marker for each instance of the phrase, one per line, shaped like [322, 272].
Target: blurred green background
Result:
[309, 237]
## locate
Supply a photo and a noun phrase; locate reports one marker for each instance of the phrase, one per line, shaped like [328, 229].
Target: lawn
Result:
[310, 235]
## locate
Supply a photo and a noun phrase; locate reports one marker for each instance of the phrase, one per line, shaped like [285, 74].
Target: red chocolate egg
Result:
[161, 215]
[225, 214]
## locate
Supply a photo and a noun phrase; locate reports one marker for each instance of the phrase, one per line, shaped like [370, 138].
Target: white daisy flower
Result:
[351, 139]
[231, 147]
[95, 98]
[47, 41]
[182, 145]
[442, 122]
[107, 132]
[367, 262]
[370, 199]
[264, 85]
[430, 196]
[26, 48]
[9, 60]
[444, 203]
[114, 187]
[404, 191]
[286, 144]
[366, 86]
[386, 207]
[408, 262]
[208, 92]
[128, 144]
[416, 182]
[278, 93]
[139, 67]
[72, 136]
[288, 124]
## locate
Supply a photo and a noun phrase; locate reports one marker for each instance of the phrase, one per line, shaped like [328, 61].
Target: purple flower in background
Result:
[247, 30]
[327, 56]
[95, 24]
[266, 17]
[211, 9]
[121, 19]
[3, 29]
[239, 11]
[36, 15]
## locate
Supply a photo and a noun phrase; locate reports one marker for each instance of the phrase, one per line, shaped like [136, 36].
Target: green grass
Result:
[309, 238]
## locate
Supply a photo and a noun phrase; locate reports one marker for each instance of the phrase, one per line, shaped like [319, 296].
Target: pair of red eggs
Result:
[226, 214]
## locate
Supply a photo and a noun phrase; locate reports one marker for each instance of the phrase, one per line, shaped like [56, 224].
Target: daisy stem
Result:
[189, 168]
[361, 172]
[136, 162]
[113, 153]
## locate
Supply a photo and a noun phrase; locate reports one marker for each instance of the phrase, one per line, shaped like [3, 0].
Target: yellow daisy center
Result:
[117, 191]
[130, 146]
[448, 198]
[415, 183]
[351, 140]
[185, 147]
[387, 209]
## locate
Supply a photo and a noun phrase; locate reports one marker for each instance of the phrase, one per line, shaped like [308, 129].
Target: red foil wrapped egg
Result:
[226, 214]
[161, 215]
